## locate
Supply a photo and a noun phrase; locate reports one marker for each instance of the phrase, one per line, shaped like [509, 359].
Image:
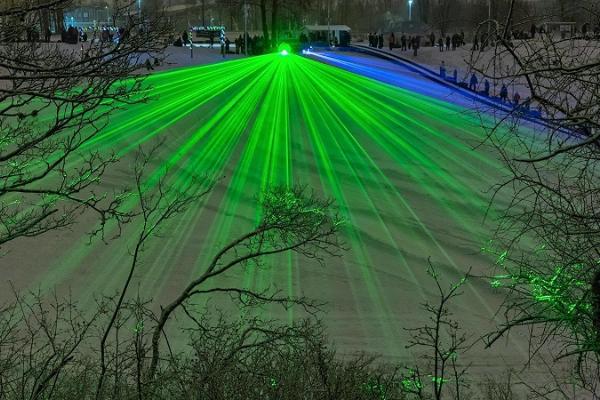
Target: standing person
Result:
[447, 42]
[403, 42]
[432, 39]
[473, 82]
[443, 70]
[516, 98]
[148, 65]
[227, 45]
[410, 42]
[475, 42]
[416, 44]
[486, 87]
[504, 93]
[250, 43]
[380, 41]
[211, 39]
[462, 38]
[441, 44]
[392, 41]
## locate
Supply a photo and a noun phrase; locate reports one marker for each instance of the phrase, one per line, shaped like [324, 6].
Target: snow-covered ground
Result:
[461, 60]
[200, 55]
[427, 168]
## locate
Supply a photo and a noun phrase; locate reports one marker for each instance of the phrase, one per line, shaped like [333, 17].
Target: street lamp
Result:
[410, 3]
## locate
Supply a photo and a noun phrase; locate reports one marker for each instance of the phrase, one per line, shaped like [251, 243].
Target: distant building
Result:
[89, 14]
[340, 34]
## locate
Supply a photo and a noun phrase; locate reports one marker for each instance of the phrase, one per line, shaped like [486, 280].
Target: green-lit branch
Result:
[291, 221]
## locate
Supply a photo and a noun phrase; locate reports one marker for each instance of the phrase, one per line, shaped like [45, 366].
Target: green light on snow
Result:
[272, 120]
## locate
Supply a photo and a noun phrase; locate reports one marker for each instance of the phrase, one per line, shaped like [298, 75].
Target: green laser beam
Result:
[398, 165]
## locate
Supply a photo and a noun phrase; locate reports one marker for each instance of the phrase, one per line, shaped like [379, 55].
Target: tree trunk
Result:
[265, 24]
[509, 18]
[274, 21]
[596, 303]
[60, 20]
[44, 22]
[423, 13]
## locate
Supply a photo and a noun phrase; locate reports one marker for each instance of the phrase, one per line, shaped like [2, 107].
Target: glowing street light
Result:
[410, 3]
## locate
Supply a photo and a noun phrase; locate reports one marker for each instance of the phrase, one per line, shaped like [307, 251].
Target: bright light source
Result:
[284, 49]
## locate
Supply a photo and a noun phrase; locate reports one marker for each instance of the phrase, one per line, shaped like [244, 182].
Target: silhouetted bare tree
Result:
[54, 100]
[548, 238]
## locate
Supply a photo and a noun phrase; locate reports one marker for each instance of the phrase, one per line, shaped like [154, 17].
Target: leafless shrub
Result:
[442, 343]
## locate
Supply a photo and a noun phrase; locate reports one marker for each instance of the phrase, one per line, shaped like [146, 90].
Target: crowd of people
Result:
[473, 83]
[480, 41]
[104, 34]
[72, 35]
[451, 42]
[483, 88]
[413, 42]
[256, 44]
[585, 31]
[403, 42]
